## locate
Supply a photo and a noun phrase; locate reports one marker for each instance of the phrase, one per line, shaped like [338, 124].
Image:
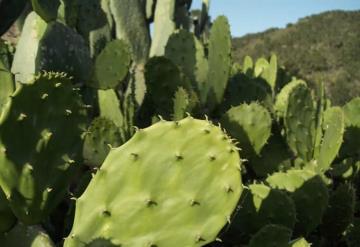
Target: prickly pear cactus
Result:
[300, 122]
[250, 125]
[181, 104]
[7, 218]
[164, 25]
[101, 136]
[219, 61]
[163, 78]
[7, 85]
[50, 47]
[351, 143]
[112, 65]
[261, 206]
[340, 212]
[333, 128]
[46, 9]
[271, 236]
[301, 242]
[171, 174]
[184, 50]
[309, 194]
[283, 96]
[26, 236]
[40, 141]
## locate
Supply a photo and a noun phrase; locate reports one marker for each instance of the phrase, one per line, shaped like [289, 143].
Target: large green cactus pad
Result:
[171, 174]
[40, 141]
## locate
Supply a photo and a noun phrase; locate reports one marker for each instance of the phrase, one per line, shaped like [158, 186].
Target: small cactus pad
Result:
[309, 193]
[219, 60]
[250, 125]
[352, 112]
[26, 236]
[101, 136]
[333, 127]
[261, 206]
[40, 142]
[184, 50]
[163, 78]
[7, 85]
[112, 65]
[271, 236]
[300, 122]
[181, 104]
[172, 174]
[301, 242]
[282, 98]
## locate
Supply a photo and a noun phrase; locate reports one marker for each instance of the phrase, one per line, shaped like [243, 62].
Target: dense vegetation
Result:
[324, 47]
[112, 137]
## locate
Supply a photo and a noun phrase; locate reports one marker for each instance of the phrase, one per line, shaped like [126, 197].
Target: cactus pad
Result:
[40, 142]
[250, 125]
[112, 65]
[271, 236]
[333, 126]
[261, 206]
[340, 212]
[300, 122]
[26, 236]
[100, 137]
[163, 78]
[219, 61]
[309, 193]
[171, 174]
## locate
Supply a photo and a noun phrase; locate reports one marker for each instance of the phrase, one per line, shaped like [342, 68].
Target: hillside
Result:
[319, 47]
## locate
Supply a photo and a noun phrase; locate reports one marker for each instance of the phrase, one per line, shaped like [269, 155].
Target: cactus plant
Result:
[26, 236]
[41, 47]
[250, 125]
[271, 235]
[40, 134]
[219, 62]
[156, 182]
[310, 206]
[111, 65]
[260, 206]
[101, 136]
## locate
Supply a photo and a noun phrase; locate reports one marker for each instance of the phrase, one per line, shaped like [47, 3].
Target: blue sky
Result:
[251, 16]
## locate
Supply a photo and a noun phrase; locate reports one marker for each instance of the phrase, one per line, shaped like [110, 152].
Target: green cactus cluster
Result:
[112, 135]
